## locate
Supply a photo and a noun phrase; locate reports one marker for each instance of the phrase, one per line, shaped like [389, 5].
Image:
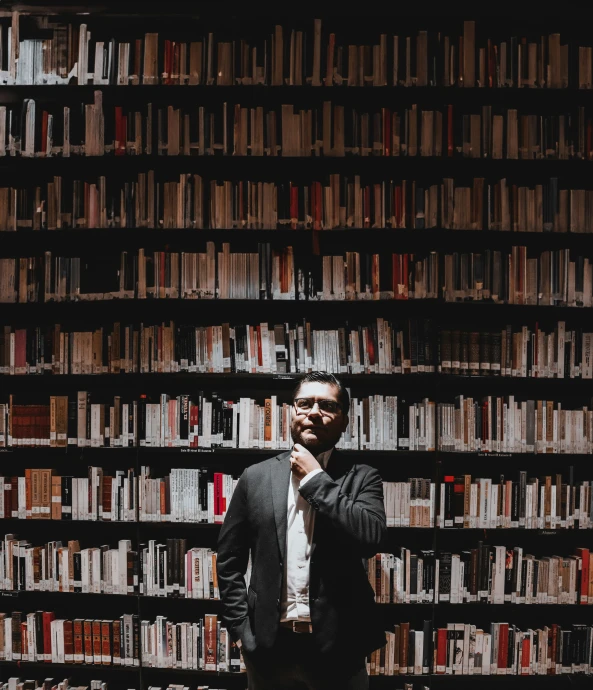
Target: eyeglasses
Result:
[326, 407]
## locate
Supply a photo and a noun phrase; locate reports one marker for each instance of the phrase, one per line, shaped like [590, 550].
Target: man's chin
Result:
[314, 444]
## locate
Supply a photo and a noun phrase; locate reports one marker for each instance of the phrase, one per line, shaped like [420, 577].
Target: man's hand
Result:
[302, 461]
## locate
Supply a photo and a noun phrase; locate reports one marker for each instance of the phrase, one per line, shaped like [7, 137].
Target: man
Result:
[310, 516]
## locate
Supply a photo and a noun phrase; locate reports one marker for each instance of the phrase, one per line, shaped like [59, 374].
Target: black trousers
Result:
[295, 664]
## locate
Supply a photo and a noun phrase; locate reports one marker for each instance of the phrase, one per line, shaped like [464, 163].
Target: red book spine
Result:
[370, 348]
[503, 645]
[223, 501]
[376, 276]
[193, 423]
[217, 496]
[96, 631]
[106, 642]
[20, 347]
[583, 554]
[395, 273]
[318, 205]
[211, 642]
[87, 641]
[176, 62]
[78, 641]
[441, 650]
[294, 206]
[163, 497]
[48, 617]
[106, 498]
[167, 57]
[525, 657]
[554, 650]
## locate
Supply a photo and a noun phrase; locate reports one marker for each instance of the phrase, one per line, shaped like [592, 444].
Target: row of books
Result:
[500, 649]
[548, 278]
[382, 346]
[544, 502]
[376, 422]
[404, 346]
[84, 53]
[154, 569]
[32, 130]
[518, 351]
[485, 574]
[181, 686]
[504, 424]
[127, 641]
[181, 495]
[178, 421]
[15, 683]
[337, 201]
[186, 495]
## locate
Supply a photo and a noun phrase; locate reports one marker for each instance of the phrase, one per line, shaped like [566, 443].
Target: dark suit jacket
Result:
[350, 526]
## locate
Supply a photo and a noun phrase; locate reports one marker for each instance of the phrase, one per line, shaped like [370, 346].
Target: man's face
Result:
[318, 430]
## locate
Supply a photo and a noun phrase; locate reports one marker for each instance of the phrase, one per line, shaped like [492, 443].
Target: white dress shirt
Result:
[300, 521]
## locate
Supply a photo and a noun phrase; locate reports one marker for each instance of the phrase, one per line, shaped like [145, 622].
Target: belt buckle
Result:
[301, 624]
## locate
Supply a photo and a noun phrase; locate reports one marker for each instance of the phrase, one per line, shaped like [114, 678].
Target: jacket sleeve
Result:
[361, 519]
[231, 561]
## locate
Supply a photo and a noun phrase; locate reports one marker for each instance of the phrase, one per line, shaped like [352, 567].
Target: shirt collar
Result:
[323, 458]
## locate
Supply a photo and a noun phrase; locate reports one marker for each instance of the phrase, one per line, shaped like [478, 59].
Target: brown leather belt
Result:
[297, 626]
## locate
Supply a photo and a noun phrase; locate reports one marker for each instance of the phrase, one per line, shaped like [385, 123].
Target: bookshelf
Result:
[341, 220]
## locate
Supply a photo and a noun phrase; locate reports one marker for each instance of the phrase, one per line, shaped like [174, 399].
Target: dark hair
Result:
[325, 377]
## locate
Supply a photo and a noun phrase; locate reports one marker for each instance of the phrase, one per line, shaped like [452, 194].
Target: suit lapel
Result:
[338, 466]
[280, 476]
